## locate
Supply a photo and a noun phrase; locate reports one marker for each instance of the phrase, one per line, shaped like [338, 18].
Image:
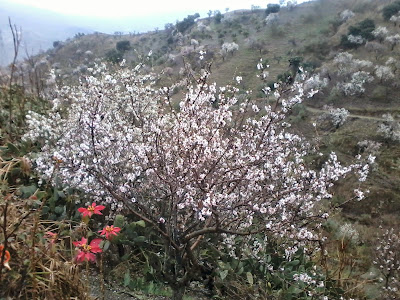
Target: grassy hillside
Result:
[311, 31]
[350, 52]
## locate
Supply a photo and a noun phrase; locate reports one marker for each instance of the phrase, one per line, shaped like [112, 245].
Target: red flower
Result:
[7, 257]
[109, 231]
[92, 209]
[86, 251]
[51, 236]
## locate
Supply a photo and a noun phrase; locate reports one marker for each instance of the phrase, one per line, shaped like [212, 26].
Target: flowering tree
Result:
[384, 73]
[380, 33]
[390, 128]
[352, 72]
[395, 19]
[388, 261]
[214, 167]
[229, 47]
[356, 39]
[194, 43]
[376, 48]
[338, 115]
[346, 15]
[356, 84]
[393, 63]
[393, 40]
[272, 18]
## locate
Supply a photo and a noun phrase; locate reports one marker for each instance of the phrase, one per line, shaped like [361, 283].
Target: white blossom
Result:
[346, 15]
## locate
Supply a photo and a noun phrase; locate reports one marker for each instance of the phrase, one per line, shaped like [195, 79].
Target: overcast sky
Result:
[124, 8]
[109, 16]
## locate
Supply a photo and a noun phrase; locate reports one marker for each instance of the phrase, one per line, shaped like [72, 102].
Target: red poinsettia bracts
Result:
[7, 257]
[109, 231]
[91, 209]
[87, 252]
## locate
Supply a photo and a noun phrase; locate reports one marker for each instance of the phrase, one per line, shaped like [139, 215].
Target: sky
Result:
[125, 8]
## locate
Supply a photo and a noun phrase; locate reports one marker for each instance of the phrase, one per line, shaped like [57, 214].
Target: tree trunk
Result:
[178, 292]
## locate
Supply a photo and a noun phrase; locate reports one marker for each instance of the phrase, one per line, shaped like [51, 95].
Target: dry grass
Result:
[37, 271]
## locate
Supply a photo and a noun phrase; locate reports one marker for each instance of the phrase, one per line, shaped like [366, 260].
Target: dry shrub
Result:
[37, 270]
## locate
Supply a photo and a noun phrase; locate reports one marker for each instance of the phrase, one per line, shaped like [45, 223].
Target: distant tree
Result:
[169, 27]
[258, 44]
[56, 44]
[390, 10]
[272, 8]
[294, 63]
[390, 129]
[194, 43]
[356, 84]
[272, 18]
[210, 13]
[277, 58]
[217, 16]
[346, 43]
[384, 74]
[186, 23]
[393, 40]
[394, 64]
[123, 46]
[355, 39]
[114, 56]
[291, 4]
[395, 20]
[376, 48]
[364, 29]
[358, 34]
[228, 48]
[79, 34]
[346, 15]
[380, 33]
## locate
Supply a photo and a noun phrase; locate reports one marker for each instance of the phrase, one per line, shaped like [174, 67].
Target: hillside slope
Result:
[359, 76]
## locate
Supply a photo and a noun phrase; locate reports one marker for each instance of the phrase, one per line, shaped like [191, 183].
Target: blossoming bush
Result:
[213, 169]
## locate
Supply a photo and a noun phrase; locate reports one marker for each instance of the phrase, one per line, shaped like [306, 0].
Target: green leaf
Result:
[127, 278]
[119, 221]
[45, 210]
[141, 223]
[40, 195]
[106, 245]
[250, 278]
[223, 274]
[240, 271]
[293, 263]
[59, 209]
[139, 239]
[150, 288]
[294, 290]
[13, 149]
[28, 191]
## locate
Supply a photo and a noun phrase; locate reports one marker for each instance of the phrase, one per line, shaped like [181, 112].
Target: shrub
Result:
[187, 22]
[390, 10]
[272, 8]
[123, 46]
[364, 29]
[114, 56]
[218, 17]
[198, 177]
